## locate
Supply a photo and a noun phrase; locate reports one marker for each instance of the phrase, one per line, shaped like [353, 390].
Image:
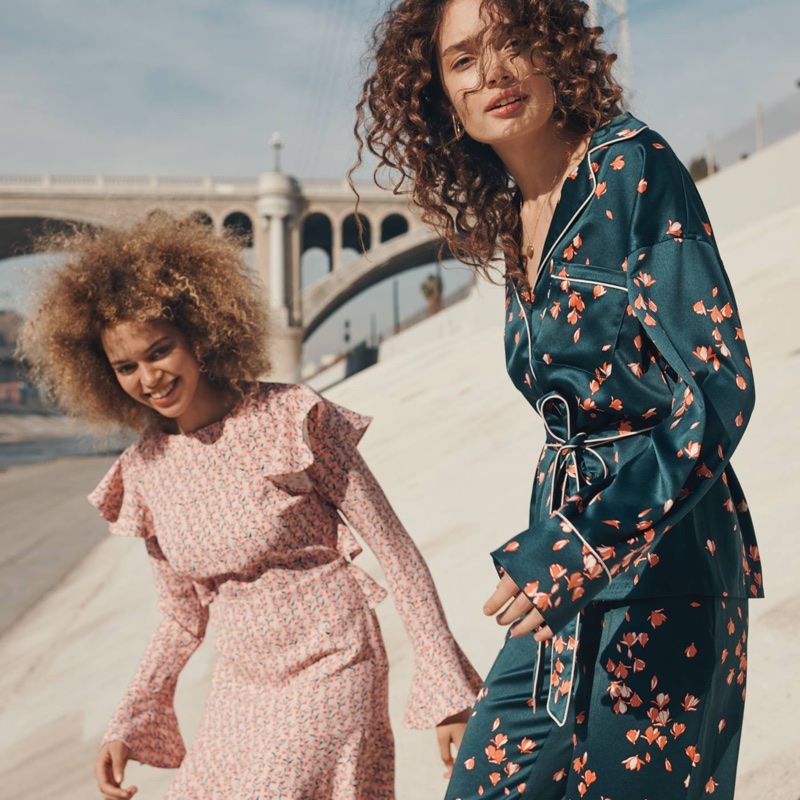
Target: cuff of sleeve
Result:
[153, 738]
[556, 569]
[441, 688]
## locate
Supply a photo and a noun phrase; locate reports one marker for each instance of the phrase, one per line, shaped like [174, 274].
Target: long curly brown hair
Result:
[404, 117]
[156, 268]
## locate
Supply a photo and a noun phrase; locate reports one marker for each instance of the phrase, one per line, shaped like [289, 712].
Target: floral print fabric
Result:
[243, 519]
[639, 551]
[631, 349]
[659, 697]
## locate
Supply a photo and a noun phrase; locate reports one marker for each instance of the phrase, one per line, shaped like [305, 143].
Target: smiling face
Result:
[155, 365]
[494, 86]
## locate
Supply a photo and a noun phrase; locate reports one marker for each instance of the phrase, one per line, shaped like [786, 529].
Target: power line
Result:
[334, 76]
[332, 12]
[335, 24]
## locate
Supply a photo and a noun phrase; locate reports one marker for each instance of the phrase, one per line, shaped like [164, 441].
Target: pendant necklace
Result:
[528, 255]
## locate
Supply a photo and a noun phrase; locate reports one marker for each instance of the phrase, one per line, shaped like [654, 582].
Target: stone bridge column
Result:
[278, 206]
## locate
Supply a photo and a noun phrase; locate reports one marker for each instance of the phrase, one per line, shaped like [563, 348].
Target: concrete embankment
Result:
[454, 446]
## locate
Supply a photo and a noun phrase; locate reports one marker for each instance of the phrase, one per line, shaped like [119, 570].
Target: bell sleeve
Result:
[444, 681]
[145, 719]
[682, 298]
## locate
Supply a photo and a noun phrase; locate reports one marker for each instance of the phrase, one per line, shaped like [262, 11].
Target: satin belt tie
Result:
[566, 465]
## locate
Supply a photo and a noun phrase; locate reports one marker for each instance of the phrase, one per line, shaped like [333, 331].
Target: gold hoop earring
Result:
[458, 127]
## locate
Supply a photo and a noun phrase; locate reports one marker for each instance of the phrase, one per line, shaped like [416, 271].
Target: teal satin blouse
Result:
[629, 346]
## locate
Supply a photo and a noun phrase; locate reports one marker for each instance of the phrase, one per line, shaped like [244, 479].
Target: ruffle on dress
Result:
[127, 515]
[287, 460]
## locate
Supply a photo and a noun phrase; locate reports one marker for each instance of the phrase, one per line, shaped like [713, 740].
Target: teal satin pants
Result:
[652, 711]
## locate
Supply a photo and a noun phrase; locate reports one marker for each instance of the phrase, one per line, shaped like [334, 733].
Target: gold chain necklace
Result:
[528, 255]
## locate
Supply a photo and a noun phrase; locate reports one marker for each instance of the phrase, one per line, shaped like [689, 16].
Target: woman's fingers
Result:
[109, 770]
[112, 792]
[445, 750]
[505, 590]
[119, 758]
[521, 605]
[532, 623]
[450, 732]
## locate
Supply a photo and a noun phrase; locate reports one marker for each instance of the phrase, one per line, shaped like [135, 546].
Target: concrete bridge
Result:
[281, 218]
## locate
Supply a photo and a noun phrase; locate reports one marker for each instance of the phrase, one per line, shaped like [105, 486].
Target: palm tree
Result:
[432, 291]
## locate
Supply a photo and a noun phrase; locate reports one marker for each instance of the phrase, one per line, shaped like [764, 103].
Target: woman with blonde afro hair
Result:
[240, 491]
[166, 269]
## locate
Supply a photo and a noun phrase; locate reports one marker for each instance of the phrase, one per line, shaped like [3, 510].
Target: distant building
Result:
[13, 389]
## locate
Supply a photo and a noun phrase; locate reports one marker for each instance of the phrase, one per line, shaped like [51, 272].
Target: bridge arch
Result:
[351, 238]
[402, 253]
[20, 228]
[241, 224]
[317, 233]
[392, 226]
[201, 216]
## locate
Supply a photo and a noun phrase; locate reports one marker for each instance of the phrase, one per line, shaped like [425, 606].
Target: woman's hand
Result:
[520, 606]
[450, 732]
[109, 769]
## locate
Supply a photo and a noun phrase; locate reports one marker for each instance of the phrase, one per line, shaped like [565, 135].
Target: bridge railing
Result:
[126, 184]
[170, 185]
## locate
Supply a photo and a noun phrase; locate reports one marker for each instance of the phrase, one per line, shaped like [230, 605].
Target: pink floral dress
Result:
[244, 517]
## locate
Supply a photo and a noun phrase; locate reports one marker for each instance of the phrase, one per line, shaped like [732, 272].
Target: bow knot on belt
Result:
[576, 458]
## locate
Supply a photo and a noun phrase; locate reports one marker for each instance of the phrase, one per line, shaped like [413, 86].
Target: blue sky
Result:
[197, 87]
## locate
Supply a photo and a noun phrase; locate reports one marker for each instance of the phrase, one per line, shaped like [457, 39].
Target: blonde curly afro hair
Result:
[158, 268]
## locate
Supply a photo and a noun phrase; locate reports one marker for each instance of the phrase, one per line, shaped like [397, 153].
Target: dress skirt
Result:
[298, 706]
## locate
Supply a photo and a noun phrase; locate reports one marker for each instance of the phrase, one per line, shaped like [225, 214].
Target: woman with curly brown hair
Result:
[623, 672]
[239, 490]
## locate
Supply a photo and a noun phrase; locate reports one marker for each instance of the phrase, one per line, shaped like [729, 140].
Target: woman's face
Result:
[495, 89]
[155, 365]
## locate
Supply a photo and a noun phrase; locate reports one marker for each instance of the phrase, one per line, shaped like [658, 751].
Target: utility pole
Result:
[711, 165]
[759, 127]
[396, 304]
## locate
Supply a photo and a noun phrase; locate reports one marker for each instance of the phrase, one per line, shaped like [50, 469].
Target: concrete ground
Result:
[454, 447]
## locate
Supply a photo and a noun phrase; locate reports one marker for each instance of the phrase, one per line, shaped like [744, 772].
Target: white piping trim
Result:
[561, 444]
[588, 159]
[539, 404]
[577, 213]
[570, 279]
[571, 692]
[528, 330]
[537, 674]
[588, 546]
